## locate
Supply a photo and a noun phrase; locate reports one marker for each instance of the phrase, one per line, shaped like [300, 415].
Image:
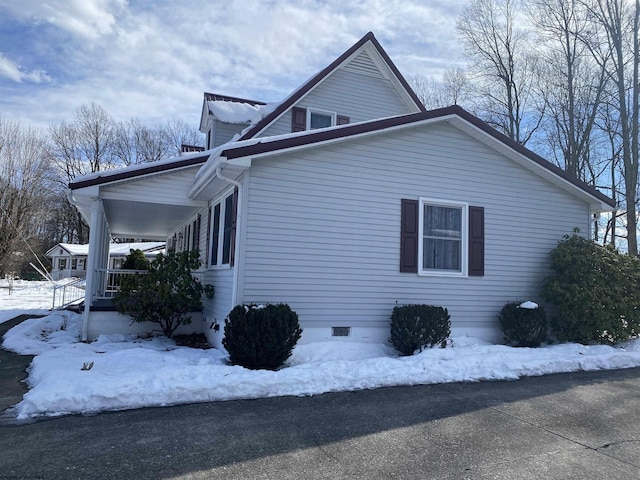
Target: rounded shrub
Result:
[595, 292]
[415, 327]
[261, 337]
[523, 327]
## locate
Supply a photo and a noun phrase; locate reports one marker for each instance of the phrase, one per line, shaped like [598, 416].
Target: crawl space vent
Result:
[340, 331]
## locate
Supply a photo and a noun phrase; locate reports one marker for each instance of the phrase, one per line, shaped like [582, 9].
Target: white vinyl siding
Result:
[170, 187]
[324, 227]
[217, 309]
[223, 132]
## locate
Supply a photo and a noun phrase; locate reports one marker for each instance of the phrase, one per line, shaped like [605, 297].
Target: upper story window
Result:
[312, 118]
[320, 119]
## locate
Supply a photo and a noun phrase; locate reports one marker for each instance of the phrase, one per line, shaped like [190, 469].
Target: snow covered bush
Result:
[166, 294]
[261, 336]
[595, 291]
[523, 324]
[417, 326]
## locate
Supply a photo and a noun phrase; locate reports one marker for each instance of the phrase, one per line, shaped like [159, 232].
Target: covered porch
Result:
[144, 206]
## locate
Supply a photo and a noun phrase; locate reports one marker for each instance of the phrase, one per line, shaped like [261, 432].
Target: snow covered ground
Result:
[25, 297]
[129, 372]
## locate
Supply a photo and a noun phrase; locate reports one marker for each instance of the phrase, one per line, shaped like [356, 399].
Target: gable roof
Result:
[324, 73]
[267, 145]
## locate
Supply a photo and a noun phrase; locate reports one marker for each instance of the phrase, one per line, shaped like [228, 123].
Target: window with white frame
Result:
[443, 238]
[222, 233]
[320, 119]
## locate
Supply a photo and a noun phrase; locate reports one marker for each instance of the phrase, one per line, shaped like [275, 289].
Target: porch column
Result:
[98, 258]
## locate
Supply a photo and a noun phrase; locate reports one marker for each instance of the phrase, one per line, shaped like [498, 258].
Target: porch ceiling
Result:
[151, 221]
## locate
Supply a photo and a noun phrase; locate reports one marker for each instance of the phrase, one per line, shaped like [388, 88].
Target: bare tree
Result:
[25, 177]
[137, 143]
[452, 89]
[85, 145]
[503, 66]
[178, 132]
[571, 84]
[613, 42]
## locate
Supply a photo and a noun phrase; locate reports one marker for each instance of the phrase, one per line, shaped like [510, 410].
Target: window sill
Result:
[219, 267]
[442, 273]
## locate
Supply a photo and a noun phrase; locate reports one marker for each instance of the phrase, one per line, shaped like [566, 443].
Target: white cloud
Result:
[87, 18]
[13, 71]
[153, 60]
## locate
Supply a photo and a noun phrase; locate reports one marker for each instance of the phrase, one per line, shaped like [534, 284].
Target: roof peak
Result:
[324, 73]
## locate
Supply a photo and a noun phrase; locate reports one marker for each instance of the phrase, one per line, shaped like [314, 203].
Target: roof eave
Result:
[152, 168]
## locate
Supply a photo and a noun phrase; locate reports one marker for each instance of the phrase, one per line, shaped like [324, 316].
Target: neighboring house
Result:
[70, 260]
[345, 200]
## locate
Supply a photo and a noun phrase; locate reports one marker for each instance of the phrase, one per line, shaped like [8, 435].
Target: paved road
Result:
[582, 426]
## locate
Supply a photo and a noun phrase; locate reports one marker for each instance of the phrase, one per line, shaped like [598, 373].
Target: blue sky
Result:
[153, 59]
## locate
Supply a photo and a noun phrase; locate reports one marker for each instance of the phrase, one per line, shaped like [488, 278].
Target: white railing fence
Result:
[109, 281]
[68, 294]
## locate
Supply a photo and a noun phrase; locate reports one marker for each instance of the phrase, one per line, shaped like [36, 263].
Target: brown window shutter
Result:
[298, 119]
[409, 236]
[476, 241]
[342, 120]
[196, 234]
[234, 222]
[206, 249]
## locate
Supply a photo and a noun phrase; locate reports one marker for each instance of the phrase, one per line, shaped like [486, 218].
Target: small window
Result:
[320, 119]
[443, 244]
[62, 264]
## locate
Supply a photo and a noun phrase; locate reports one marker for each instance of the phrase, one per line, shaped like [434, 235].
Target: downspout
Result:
[236, 274]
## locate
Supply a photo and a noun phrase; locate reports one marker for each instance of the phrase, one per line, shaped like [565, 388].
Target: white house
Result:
[70, 259]
[344, 200]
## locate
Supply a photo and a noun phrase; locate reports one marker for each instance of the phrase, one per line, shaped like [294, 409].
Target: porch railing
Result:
[109, 281]
[68, 294]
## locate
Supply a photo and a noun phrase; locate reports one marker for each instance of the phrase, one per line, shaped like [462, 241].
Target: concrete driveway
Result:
[582, 426]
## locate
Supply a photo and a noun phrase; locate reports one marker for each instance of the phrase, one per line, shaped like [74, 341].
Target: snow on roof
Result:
[139, 166]
[124, 248]
[240, 112]
[233, 112]
[115, 249]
